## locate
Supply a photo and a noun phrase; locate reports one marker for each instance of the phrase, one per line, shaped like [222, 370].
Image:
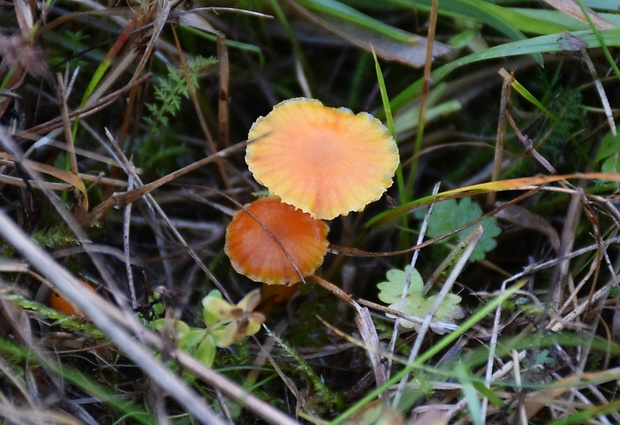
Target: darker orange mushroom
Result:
[275, 243]
[60, 304]
[324, 161]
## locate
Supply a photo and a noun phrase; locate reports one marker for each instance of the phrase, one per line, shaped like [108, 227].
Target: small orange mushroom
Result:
[324, 161]
[60, 304]
[275, 243]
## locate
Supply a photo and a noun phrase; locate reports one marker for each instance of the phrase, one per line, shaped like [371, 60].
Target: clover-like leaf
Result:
[214, 308]
[231, 323]
[449, 215]
[206, 351]
[176, 328]
[191, 339]
[415, 302]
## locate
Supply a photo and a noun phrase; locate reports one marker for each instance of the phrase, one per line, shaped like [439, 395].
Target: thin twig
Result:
[601, 93]
[157, 210]
[412, 265]
[119, 200]
[426, 84]
[126, 248]
[224, 89]
[501, 132]
[91, 305]
[561, 278]
[471, 240]
[83, 112]
[491, 358]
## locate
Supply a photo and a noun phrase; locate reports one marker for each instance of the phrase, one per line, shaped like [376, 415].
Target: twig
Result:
[403, 296]
[91, 305]
[471, 240]
[223, 112]
[561, 277]
[529, 146]
[126, 249]
[492, 346]
[426, 84]
[157, 210]
[119, 200]
[601, 93]
[501, 132]
[85, 111]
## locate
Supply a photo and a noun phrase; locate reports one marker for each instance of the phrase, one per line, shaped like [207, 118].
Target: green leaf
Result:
[210, 316]
[543, 44]
[611, 165]
[191, 339]
[229, 323]
[351, 15]
[608, 153]
[489, 394]
[392, 290]
[416, 303]
[610, 144]
[450, 215]
[206, 351]
[176, 327]
[474, 403]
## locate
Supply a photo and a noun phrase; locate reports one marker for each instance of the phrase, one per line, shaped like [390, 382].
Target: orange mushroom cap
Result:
[254, 253]
[60, 304]
[324, 161]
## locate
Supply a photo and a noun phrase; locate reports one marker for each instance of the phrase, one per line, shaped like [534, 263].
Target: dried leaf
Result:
[432, 416]
[411, 52]
[194, 20]
[371, 339]
[571, 8]
[23, 12]
[523, 217]
[17, 51]
[376, 413]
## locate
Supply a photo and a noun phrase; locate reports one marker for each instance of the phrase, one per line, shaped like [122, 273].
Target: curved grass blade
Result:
[543, 44]
[521, 183]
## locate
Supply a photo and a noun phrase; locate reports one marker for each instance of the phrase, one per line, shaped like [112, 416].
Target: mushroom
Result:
[324, 161]
[274, 243]
[60, 304]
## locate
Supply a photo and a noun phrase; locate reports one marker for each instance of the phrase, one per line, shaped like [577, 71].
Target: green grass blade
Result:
[348, 14]
[601, 40]
[471, 396]
[442, 344]
[542, 44]
[505, 20]
[106, 395]
[525, 93]
[488, 394]
[586, 415]
[400, 180]
[100, 392]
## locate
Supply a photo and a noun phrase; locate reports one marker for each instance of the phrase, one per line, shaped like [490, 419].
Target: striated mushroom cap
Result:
[267, 237]
[325, 161]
